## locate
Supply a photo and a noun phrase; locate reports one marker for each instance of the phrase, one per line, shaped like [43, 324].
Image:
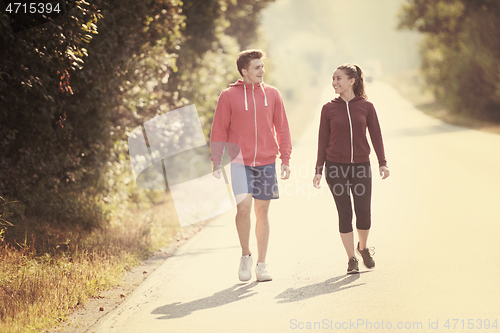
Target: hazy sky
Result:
[319, 35]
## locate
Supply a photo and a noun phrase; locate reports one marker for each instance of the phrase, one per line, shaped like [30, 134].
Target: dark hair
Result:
[354, 72]
[244, 58]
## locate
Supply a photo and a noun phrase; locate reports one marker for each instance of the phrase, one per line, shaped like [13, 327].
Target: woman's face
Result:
[341, 82]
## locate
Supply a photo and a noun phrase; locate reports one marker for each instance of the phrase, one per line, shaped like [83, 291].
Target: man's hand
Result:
[317, 180]
[384, 172]
[217, 172]
[285, 171]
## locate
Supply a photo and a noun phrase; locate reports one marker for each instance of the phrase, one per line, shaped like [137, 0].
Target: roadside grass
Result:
[55, 269]
[411, 85]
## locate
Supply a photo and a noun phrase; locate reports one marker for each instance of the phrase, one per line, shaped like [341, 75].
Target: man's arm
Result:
[282, 135]
[220, 127]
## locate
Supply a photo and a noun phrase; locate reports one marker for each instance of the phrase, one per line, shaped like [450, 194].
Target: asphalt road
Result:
[435, 227]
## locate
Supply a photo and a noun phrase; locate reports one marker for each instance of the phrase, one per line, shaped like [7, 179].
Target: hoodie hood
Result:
[340, 100]
[241, 83]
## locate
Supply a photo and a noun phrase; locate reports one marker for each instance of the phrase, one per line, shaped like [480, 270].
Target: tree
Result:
[35, 67]
[461, 53]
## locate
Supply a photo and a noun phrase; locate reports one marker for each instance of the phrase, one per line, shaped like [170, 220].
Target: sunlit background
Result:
[73, 88]
[311, 38]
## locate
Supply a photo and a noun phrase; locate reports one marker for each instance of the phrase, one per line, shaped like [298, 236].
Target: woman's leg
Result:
[362, 194]
[337, 177]
[363, 238]
[348, 241]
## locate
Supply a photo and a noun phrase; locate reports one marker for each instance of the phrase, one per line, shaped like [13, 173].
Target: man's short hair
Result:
[244, 58]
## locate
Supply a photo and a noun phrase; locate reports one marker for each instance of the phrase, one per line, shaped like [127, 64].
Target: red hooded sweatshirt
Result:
[251, 117]
[342, 133]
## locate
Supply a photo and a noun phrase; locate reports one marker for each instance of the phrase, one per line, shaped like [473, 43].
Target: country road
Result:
[435, 224]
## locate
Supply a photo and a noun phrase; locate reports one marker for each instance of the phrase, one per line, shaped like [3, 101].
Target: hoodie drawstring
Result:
[246, 102]
[265, 97]
[246, 98]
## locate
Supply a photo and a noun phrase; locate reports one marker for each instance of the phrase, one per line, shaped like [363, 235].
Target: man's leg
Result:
[244, 209]
[262, 227]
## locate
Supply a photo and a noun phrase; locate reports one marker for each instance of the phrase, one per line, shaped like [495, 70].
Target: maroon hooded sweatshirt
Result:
[342, 133]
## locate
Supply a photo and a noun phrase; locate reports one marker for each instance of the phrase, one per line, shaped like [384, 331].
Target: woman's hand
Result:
[384, 172]
[317, 180]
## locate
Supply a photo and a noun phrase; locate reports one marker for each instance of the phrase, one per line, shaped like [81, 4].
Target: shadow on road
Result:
[226, 296]
[327, 287]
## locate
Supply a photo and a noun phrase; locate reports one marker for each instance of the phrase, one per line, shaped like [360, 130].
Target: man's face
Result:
[255, 72]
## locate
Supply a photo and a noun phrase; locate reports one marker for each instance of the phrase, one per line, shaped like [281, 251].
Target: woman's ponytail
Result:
[359, 85]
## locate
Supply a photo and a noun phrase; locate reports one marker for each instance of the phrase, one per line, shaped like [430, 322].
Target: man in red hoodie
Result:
[250, 120]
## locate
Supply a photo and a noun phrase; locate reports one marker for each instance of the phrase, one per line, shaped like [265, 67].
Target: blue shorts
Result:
[260, 181]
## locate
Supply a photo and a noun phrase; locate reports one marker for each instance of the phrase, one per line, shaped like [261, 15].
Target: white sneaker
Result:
[261, 272]
[245, 271]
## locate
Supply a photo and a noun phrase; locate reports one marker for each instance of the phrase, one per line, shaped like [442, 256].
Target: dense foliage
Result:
[461, 52]
[73, 88]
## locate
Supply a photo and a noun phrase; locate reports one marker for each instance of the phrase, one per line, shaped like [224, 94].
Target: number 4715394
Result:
[471, 324]
[32, 8]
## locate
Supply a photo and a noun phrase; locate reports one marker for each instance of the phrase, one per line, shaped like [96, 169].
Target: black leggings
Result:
[344, 179]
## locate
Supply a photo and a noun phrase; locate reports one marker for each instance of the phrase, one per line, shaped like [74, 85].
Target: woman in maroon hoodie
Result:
[343, 152]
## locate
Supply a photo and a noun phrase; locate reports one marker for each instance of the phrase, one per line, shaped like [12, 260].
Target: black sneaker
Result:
[367, 254]
[352, 266]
